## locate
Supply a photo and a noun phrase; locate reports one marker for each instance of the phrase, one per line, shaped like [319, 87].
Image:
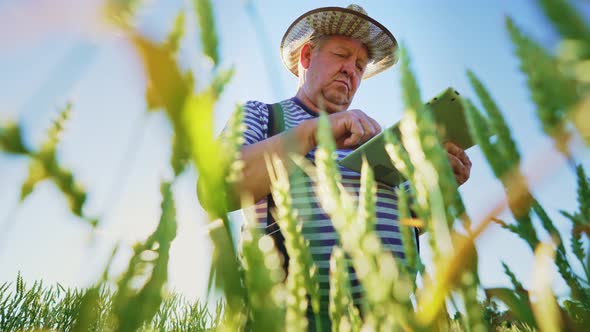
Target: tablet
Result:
[448, 114]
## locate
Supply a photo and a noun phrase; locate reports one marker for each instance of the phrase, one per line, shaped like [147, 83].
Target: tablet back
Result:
[449, 116]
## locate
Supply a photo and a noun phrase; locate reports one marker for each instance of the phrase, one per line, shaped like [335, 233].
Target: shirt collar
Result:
[305, 108]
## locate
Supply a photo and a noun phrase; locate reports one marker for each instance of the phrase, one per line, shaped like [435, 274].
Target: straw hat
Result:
[351, 21]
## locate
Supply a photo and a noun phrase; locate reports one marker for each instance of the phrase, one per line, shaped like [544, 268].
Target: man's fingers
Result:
[370, 129]
[458, 152]
[357, 132]
[361, 129]
[460, 170]
[353, 128]
[370, 126]
[460, 162]
[376, 126]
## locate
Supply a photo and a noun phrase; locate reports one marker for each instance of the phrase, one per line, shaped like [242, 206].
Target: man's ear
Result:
[305, 56]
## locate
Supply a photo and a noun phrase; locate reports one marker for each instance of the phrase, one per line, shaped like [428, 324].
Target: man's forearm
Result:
[255, 180]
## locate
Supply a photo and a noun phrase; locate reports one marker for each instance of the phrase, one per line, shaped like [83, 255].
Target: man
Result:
[330, 50]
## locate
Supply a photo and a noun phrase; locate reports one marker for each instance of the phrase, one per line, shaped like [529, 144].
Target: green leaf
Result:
[564, 17]
[220, 80]
[410, 90]
[519, 307]
[181, 155]
[204, 149]
[167, 87]
[122, 12]
[579, 313]
[37, 173]
[583, 194]
[11, 139]
[87, 314]
[505, 142]
[578, 246]
[204, 11]
[175, 35]
[548, 225]
[551, 91]
[518, 287]
[478, 125]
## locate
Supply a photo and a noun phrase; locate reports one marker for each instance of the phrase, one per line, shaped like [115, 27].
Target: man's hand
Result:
[460, 162]
[351, 128]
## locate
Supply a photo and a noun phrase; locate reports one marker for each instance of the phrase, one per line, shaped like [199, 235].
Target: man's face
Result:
[334, 72]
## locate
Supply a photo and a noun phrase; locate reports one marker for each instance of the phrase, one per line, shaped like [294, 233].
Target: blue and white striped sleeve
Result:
[405, 186]
[256, 121]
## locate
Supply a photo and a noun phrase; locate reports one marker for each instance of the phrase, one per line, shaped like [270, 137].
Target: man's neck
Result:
[307, 101]
[314, 105]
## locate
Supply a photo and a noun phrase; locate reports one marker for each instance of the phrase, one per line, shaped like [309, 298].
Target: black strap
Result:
[417, 231]
[276, 125]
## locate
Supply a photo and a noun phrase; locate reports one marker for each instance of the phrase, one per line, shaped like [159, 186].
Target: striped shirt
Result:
[316, 225]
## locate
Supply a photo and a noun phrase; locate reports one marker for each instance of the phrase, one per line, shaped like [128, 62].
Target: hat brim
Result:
[380, 42]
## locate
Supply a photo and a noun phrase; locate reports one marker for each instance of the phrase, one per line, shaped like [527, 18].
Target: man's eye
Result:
[339, 55]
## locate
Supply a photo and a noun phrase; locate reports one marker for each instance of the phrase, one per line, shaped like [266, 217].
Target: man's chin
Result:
[339, 103]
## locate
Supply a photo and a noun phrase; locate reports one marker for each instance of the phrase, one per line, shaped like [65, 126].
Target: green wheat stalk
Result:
[216, 196]
[168, 89]
[429, 195]
[302, 277]
[551, 91]
[515, 186]
[431, 145]
[561, 261]
[506, 146]
[384, 308]
[413, 261]
[581, 221]
[263, 276]
[134, 307]
[231, 143]
[44, 165]
[427, 142]
[506, 168]
[343, 313]
[424, 162]
[468, 286]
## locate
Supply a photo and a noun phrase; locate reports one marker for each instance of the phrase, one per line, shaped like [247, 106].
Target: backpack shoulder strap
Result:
[276, 125]
[276, 119]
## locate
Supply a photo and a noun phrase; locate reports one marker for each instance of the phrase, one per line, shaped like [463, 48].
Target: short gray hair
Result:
[317, 41]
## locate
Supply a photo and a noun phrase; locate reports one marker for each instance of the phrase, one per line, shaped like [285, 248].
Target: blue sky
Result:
[55, 51]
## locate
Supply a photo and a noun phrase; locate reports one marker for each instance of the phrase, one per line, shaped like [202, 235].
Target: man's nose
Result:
[348, 67]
